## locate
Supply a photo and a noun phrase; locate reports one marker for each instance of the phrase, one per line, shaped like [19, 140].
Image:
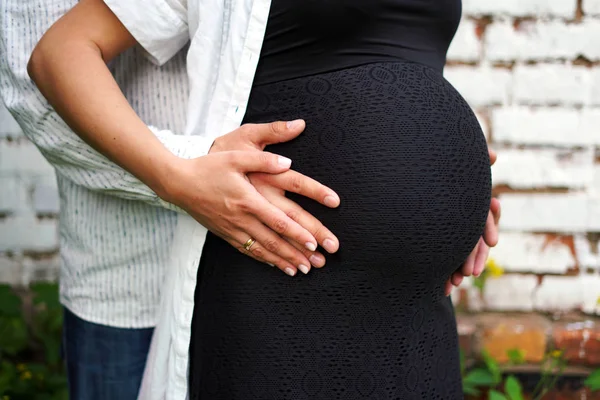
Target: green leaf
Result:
[46, 293]
[10, 303]
[516, 356]
[470, 390]
[513, 389]
[14, 336]
[494, 395]
[492, 366]
[8, 374]
[480, 377]
[593, 380]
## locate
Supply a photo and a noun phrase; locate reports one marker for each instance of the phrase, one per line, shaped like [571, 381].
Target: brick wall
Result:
[531, 70]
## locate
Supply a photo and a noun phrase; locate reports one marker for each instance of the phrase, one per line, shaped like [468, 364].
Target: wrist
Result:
[166, 178]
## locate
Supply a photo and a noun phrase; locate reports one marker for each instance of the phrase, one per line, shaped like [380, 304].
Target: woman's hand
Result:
[240, 194]
[475, 263]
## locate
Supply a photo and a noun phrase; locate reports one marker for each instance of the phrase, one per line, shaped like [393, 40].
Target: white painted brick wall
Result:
[531, 71]
[544, 168]
[592, 7]
[520, 8]
[548, 212]
[540, 126]
[535, 253]
[551, 85]
[480, 86]
[466, 46]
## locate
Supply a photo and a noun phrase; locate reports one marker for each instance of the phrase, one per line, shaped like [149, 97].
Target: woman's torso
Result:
[405, 153]
[317, 36]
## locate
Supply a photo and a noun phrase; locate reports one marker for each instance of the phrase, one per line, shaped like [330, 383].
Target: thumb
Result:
[276, 132]
[260, 161]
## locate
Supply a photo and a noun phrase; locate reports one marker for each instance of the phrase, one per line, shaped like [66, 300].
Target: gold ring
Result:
[249, 243]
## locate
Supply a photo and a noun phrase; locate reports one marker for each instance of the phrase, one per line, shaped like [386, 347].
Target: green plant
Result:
[490, 377]
[592, 382]
[30, 362]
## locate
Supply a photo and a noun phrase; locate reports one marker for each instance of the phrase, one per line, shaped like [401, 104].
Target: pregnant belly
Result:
[404, 152]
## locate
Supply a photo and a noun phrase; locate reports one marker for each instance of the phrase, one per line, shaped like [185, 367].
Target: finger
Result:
[493, 156]
[278, 221]
[316, 259]
[262, 135]
[257, 161]
[490, 232]
[448, 288]
[324, 237]
[481, 258]
[467, 267]
[496, 209]
[271, 248]
[457, 278]
[292, 181]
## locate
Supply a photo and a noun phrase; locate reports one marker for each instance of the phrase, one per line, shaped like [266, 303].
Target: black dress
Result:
[406, 154]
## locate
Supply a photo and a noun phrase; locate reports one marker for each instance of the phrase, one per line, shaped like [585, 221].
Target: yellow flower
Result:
[21, 367]
[556, 354]
[493, 268]
[598, 301]
[26, 376]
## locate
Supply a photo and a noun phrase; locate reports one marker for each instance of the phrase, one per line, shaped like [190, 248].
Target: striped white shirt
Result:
[115, 233]
[115, 236]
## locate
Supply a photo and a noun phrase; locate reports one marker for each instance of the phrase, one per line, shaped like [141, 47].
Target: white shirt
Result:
[225, 42]
[114, 250]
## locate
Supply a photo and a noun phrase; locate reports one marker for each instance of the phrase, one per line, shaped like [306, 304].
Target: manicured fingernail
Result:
[294, 124]
[284, 161]
[331, 201]
[329, 245]
[316, 260]
[303, 268]
[310, 246]
[290, 271]
[271, 265]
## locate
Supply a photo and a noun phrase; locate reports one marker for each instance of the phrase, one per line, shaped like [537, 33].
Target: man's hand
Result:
[217, 192]
[475, 263]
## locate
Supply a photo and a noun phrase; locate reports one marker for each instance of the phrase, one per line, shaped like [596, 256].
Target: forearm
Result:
[71, 72]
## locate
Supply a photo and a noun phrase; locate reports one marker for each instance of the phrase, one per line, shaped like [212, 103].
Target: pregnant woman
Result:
[384, 129]
[407, 157]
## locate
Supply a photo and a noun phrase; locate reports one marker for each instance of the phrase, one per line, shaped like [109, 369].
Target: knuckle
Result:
[271, 245]
[277, 127]
[280, 225]
[244, 205]
[258, 251]
[296, 183]
[293, 215]
[246, 128]
[319, 230]
[264, 158]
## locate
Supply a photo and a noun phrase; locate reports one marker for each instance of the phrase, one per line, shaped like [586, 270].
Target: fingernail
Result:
[303, 268]
[290, 271]
[310, 246]
[271, 265]
[284, 161]
[316, 260]
[331, 201]
[293, 124]
[329, 245]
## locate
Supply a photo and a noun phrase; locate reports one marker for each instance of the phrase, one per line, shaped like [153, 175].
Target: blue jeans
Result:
[103, 363]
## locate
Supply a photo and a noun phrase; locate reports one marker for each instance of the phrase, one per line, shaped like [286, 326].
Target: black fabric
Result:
[410, 163]
[406, 154]
[308, 37]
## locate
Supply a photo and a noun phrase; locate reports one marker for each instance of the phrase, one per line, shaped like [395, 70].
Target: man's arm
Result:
[69, 67]
[25, 23]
